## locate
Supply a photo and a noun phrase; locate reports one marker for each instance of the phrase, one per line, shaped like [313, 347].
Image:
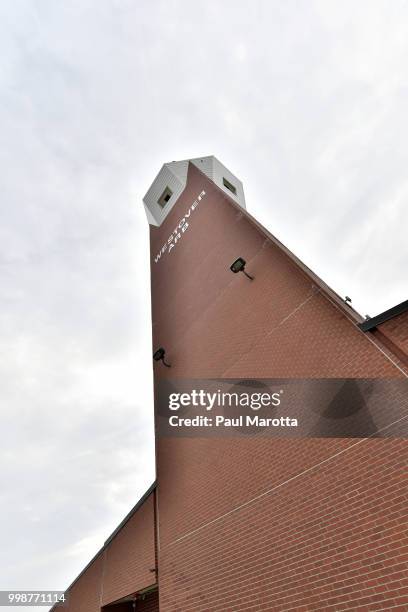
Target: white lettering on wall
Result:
[179, 230]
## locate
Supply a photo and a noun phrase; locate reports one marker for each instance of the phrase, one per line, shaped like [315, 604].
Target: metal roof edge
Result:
[373, 322]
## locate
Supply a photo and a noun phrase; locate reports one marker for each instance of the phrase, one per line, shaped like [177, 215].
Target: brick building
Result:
[256, 523]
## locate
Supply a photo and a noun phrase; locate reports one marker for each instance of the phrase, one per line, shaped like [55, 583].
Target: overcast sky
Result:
[305, 101]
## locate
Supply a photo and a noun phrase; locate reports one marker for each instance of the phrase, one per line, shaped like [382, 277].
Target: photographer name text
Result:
[240, 421]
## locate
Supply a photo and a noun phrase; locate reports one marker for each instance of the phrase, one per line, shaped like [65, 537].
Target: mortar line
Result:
[281, 484]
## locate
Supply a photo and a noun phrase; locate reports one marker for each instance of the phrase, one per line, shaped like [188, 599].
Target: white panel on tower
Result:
[171, 181]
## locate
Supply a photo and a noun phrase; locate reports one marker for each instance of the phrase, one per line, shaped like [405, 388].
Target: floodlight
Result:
[159, 356]
[239, 266]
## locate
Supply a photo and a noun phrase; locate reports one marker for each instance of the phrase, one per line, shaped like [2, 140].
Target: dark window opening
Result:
[229, 186]
[165, 197]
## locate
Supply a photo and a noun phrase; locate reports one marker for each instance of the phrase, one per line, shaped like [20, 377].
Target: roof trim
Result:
[370, 324]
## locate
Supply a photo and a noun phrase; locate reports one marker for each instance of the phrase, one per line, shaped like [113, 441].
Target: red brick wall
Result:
[320, 528]
[122, 568]
[334, 538]
[130, 556]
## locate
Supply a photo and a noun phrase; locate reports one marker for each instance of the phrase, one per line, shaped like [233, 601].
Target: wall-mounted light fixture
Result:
[159, 356]
[239, 266]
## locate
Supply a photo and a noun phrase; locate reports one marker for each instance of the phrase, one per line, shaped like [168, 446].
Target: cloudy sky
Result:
[306, 101]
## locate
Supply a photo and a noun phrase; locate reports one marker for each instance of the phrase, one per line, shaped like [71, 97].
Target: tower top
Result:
[172, 180]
